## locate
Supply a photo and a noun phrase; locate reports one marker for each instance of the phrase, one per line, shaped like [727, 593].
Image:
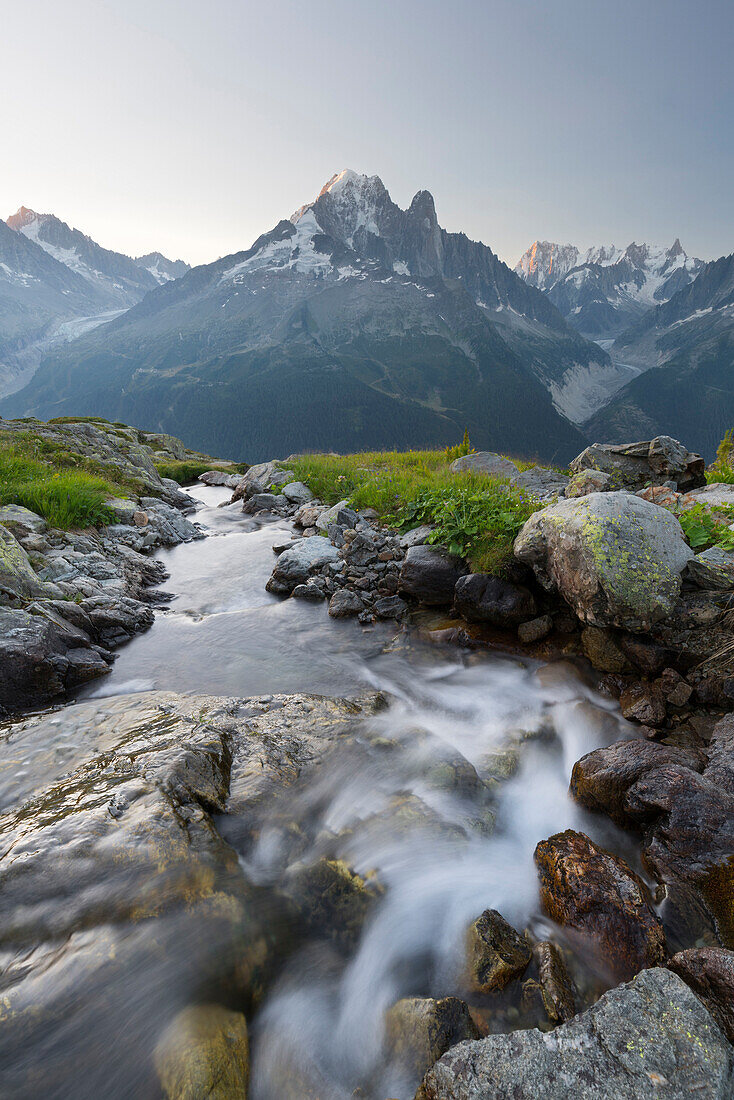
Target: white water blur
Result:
[326, 1019]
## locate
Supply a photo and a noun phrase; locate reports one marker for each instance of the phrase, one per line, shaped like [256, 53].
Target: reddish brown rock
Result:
[644, 703]
[709, 972]
[585, 888]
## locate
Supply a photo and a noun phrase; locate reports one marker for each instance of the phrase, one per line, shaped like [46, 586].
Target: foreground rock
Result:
[495, 953]
[204, 1053]
[649, 1039]
[709, 972]
[486, 599]
[653, 462]
[594, 894]
[296, 565]
[615, 558]
[684, 806]
[429, 574]
[419, 1030]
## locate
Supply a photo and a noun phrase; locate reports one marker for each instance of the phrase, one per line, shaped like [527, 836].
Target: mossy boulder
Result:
[616, 559]
[204, 1053]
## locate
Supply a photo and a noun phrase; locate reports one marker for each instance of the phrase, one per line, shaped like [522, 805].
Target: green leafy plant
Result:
[462, 449]
[702, 529]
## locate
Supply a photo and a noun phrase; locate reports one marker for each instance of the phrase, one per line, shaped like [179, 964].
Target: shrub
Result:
[721, 468]
[463, 448]
[702, 529]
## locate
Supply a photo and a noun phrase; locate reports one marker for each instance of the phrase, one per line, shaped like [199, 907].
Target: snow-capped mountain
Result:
[605, 289]
[161, 268]
[353, 323]
[116, 280]
[689, 344]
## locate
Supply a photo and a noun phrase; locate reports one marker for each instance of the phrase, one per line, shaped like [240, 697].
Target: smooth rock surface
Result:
[429, 574]
[204, 1053]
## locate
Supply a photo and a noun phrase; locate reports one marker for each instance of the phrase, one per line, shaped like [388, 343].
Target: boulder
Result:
[18, 582]
[541, 482]
[204, 1053]
[221, 477]
[646, 1040]
[419, 1030]
[21, 521]
[616, 559]
[687, 808]
[485, 462]
[635, 465]
[328, 515]
[344, 603]
[417, 536]
[260, 478]
[589, 481]
[480, 597]
[295, 566]
[295, 492]
[390, 607]
[308, 514]
[600, 647]
[495, 953]
[332, 900]
[594, 893]
[429, 574]
[535, 630]
[709, 971]
[644, 703]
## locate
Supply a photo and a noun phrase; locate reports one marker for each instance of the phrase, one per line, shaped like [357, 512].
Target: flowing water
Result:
[401, 804]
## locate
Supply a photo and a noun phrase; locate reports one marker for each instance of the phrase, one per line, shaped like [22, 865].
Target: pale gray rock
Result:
[296, 565]
[657, 461]
[21, 521]
[541, 482]
[18, 581]
[649, 1039]
[589, 481]
[221, 477]
[295, 492]
[329, 516]
[485, 462]
[615, 558]
[417, 536]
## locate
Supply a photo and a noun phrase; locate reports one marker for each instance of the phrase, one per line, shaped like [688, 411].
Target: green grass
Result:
[475, 515]
[185, 471]
[64, 497]
[721, 468]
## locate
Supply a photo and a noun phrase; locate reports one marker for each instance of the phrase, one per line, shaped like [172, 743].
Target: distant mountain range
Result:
[604, 290]
[687, 346]
[351, 324]
[56, 282]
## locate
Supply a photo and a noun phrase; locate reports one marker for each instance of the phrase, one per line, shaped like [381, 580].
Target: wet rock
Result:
[593, 892]
[485, 462]
[556, 987]
[686, 811]
[709, 971]
[676, 691]
[535, 630]
[602, 650]
[419, 1030]
[600, 780]
[590, 481]
[616, 559]
[642, 1041]
[344, 603]
[429, 574]
[495, 953]
[644, 703]
[204, 1053]
[635, 465]
[390, 607]
[221, 477]
[480, 597]
[332, 899]
[294, 566]
[310, 591]
[295, 492]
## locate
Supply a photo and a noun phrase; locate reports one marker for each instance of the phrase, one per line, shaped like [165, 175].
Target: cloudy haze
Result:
[192, 128]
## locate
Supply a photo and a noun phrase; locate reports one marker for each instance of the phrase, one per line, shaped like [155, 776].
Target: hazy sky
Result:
[191, 126]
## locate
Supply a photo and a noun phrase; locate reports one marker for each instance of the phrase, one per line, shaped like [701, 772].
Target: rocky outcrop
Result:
[633, 466]
[616, 559]
[650, 1038]
[594, 893]
[541, 482]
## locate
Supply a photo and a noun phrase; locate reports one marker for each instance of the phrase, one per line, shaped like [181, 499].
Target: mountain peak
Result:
[348, 180]
[24, 216]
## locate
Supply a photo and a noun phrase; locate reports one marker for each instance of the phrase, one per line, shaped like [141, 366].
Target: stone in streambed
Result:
[556, 988]
[595, 893]
[344, 603]
[495, 953]
[535, 630]
[649, 1039]
[295, 492]
[644, 703]
[204, 1053]
[419, 1030]
[429, 574]
[480, 597]
[295, 566]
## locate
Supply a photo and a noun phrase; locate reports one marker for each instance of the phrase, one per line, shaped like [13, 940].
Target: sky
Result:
[191, 127]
